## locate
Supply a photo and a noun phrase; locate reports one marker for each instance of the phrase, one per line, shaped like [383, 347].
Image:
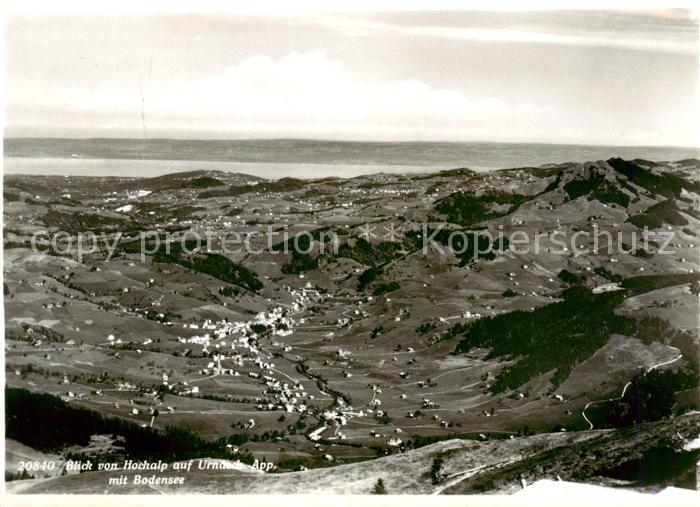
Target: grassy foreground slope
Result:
[454, 466]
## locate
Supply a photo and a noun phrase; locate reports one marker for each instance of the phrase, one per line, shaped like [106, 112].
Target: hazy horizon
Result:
[340, 141]
[300, 158]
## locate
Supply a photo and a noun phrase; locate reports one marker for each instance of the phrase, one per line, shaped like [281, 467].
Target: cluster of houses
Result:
[235, 345]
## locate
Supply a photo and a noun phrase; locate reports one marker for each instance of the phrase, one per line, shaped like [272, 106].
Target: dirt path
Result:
[624, 390]
[460, 476]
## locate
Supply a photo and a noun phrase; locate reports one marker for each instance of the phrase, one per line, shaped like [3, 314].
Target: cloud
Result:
[542, 37]
[672, 31]
[313, 96]
[298, 94]
[312, 87]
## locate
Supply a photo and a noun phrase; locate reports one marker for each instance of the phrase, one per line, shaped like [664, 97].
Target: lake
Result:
[295, 158]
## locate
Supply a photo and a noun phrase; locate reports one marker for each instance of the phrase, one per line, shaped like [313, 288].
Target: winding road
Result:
[624, 389]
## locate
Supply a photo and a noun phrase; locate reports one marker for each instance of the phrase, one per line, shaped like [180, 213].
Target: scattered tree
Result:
[436, 470]
[379, 488]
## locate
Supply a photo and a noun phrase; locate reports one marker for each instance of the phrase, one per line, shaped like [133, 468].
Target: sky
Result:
[622, 77]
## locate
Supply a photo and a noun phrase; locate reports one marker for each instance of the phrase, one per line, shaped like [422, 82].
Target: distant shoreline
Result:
[301, 140]
[145, 168]
[336, 152]
[305, 159]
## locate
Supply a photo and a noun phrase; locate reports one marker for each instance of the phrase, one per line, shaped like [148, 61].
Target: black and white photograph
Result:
[351, 249]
